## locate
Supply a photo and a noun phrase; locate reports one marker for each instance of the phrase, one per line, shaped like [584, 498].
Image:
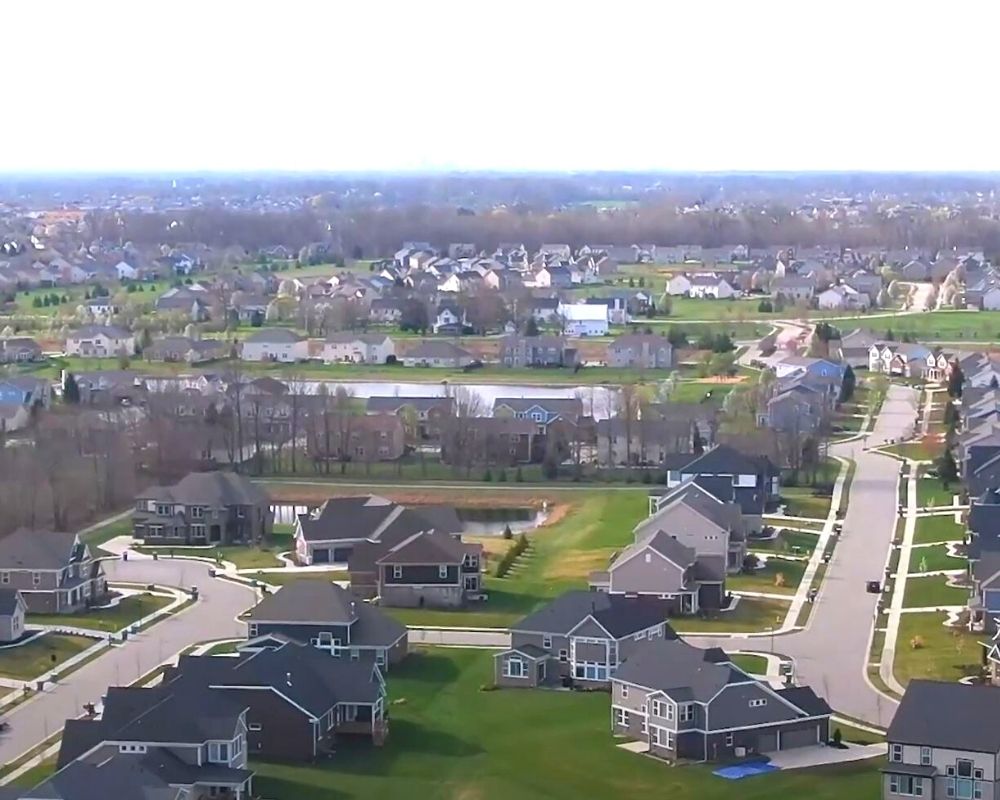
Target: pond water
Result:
[475, 521]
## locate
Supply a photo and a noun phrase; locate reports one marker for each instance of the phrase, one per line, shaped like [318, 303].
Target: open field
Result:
[945, 326]
[38, 656]
[944, 653]
[451, 740]
[109, 620]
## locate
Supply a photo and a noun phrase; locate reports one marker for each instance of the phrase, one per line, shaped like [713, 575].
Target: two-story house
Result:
[579, 638]
[275, 344]
[428, 568]
[176, 743]
[537, 351]
[203, 508]
[19, 349]
[752, 481]
[437, 353]
[693, 704]
[299, 701]
[543, 411]
[641, 351]
[944, 742]
[908, 360]
[358, 348]
[25, 391]
[327, 617]
[54, 571]
[12, 612]
[100, 341]
[427, 413]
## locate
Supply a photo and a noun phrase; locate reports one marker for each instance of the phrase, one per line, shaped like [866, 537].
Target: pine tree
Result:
[71, 391]
[847, 386]
[947, 468]
[956, 381]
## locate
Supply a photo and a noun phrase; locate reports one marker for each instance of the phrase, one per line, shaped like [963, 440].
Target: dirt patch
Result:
[578, 564]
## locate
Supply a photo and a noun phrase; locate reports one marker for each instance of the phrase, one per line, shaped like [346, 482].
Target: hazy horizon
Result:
[553, 87]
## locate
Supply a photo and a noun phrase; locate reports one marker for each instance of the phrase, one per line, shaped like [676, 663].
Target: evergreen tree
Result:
[955, 381]
[947, 468]
[531, 327]
[71, 391]
[847, 387]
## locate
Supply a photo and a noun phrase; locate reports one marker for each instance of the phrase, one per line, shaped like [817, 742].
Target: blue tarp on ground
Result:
[737, 771]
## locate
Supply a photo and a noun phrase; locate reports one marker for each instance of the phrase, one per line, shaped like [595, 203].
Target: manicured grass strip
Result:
[129, 610]
[755, 665]
[450, 739]
[924, 450]
[41, 654]
[932, 492]
[244, 557]
[938, 528]
[933, 591]
[792, 542]
[931, 559]
[766, 578]
[751, 614]
[854, 735]
[281, 578]
[801, 502]
[927, 649]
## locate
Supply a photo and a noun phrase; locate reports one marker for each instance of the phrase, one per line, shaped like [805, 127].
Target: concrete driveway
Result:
[831, 654]
[212, 617]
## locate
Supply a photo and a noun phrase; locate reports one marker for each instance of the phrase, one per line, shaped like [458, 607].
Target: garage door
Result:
[341, 554]
[799, 738]
[767, 742]
[321, 556]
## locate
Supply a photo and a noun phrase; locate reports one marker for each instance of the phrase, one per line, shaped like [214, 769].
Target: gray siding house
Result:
[641, 351]
[12, 611]
[429, 569]
[204, 508]
[53, 571]
[578, 639]
[693, 704]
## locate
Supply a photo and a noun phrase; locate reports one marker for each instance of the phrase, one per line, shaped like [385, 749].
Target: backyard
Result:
[766, 579]
[794, 542]
[801, 501]
[109, 620]
[926, 648]
[450, 739]
[34, 658]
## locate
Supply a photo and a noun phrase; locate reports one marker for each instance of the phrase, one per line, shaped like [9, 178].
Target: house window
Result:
[131, 748]
[730, 739]
[218, 752]
[643, 726]
[621, 717]
[197, 531]
[758, 703]
[640, 635]
[513, 668]
[4, 577]
[443, 571]
[252, 630]
[925, 756]
[668, 709]
[162, 509]
[906, 785]
[564, 656]
[355, 654]
[625, 694]
[397, 571]
[197, 512]
[896, 752]
[255, 726]
[547, 642]
[687, 712]
[36, 578]
[659, 708]
[663, 738]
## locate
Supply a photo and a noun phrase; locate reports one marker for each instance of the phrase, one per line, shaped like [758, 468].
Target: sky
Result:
[546, 85]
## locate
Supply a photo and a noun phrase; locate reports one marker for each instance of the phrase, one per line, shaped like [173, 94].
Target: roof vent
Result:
[288, 679]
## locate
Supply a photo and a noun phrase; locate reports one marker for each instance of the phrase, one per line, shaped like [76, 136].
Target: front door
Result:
[215, 533]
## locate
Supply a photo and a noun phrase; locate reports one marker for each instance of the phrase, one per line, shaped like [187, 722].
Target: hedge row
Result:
[508, 559]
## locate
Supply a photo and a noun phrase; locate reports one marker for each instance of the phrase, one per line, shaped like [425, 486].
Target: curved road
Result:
[212, 617]
[831, 654]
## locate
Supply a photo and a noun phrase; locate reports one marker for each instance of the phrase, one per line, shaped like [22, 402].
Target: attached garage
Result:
[341, 554]
[767, 741]
[801, 737]
[321, 555]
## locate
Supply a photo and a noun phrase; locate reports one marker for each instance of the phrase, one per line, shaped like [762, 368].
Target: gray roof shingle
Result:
[619, 616]
[952, 716]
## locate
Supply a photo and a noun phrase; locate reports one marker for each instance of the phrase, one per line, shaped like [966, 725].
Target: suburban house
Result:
[164, 742]
[794, 287]
[12, 611]
[358, 348]
[795, 408]
[100, 341]
[554, 277]
[428, 412]
[329, 618]
[681, 553]
[710, 285]
[751, 481]
[330, 533]
[584, 319]
[943, 742]
[542, 410]
[437, 353]
[537, 351]
[26, 391]
[619, 307]
[693, 704]
[503, 441]
[388, 310]
[855, 346]
[191, 302]
[299, 701]
[275, 344]
[450, 318]
[908, 360]
[641, 351]
[648, 441]
[349, 437]
[428, 568]
[54, 571]
[203, 508]
[843, 296]
[182, 349]
[579, 638]
[818, 373]
[19, 349]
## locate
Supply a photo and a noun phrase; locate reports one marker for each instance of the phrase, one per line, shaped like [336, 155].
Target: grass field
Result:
[933, 559]
[945, 326]
[938, 528]
[943, 653]
[109, 620]
[933, 591]
[245, 557]
[766, 579]
[41, 654]
[451, 741]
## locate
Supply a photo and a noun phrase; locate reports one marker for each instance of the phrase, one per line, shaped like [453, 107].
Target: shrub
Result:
[508, 558]
[646, 477]
[507, 532]
[837, 737]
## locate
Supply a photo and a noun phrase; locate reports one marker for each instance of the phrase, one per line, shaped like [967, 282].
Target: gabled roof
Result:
[10, 599]
[374, 518]
[950, 716]
[274, 336]
[217, 489]
[660, 542]
[308, 602]
[42, 550]
[679, 670]
[426, 547]
[564, 406]
[726, 460]
[437, 349]
[619, 616]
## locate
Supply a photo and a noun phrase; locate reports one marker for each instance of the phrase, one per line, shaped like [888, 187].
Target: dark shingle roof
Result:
[382, 404]
[8, 601]
[619, 616]
[425, 547]
[211, 489]
[952, 716]
[27, 549]
[307, 601]
[374, 518]
[683, 671]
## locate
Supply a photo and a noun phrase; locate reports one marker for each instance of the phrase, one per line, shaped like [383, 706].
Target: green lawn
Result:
[765, 579]
[110, 620]
[797, 542]
[451, 741]
[944, 653]
[281, 578]
[751, 614]
[755, 665]
[939, 528]
[244, 557]
[801, 502]
[933, 591]
[933, 559]
[41, 654]
[856, 735]
[99, 536]
[945, 326]
[931, 492]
